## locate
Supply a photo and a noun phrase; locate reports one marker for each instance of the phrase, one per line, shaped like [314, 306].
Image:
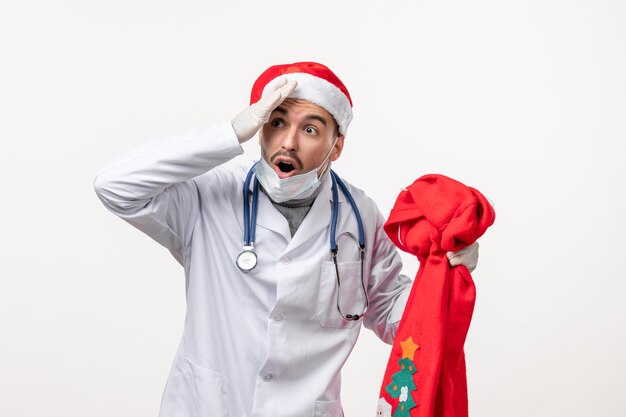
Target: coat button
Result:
[268, 377]
[285, 260]
[278, 318]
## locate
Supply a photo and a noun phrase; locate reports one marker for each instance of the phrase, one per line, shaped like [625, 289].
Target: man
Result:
[269, 323]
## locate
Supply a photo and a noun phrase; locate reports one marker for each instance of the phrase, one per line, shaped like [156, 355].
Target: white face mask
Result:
[290, 188]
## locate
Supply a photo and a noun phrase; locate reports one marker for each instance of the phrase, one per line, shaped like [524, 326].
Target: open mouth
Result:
[285, 167]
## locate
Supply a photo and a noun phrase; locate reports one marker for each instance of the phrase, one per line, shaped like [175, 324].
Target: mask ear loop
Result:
[326, 159]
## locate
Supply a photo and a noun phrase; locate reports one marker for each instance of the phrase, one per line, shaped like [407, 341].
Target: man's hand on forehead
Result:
[250, 120]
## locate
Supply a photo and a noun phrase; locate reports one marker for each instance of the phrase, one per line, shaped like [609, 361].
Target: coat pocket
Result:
[350, 297]
[328, 409]
[194, 391]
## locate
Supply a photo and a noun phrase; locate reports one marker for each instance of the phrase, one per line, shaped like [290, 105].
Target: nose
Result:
[290, 139]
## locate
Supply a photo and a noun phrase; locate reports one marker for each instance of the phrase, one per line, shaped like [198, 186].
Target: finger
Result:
[459, 253]
[288, 88]
[276, 85]
[470, 264]
[272, 89]
[466, 250]
[273, 100]
[455, 261]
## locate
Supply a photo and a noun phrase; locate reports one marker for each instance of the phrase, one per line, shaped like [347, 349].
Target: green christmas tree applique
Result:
[402, 384]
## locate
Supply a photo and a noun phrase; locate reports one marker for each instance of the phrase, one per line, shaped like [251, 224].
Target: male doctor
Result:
[271, 318]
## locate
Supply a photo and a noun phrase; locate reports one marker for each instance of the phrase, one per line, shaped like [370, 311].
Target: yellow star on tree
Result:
[408, 348]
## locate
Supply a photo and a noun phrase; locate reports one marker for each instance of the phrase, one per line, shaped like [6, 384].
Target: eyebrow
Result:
[282, 110]
[316, 117]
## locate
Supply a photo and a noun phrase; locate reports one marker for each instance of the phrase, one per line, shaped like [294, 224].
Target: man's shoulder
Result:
[359, 195]
[227, 178]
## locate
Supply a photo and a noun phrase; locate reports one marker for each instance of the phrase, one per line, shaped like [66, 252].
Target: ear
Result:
[336, 152]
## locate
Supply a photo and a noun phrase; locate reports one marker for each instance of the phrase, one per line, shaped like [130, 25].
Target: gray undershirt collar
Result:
[296, 210]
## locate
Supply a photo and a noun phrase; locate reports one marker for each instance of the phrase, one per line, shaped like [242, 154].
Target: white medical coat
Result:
[269, 342]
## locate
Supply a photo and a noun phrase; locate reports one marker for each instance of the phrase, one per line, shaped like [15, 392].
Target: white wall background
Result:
[524, 100]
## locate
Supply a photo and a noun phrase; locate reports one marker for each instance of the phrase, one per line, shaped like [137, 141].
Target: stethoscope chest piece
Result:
[246, 259]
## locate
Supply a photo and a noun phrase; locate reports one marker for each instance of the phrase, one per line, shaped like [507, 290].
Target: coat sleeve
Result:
[388, 289]
[153, 187]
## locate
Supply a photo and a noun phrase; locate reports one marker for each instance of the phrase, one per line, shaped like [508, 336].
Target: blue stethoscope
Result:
[246, 260]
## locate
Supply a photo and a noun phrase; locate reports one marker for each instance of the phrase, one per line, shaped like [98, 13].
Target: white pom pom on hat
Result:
[317, 84]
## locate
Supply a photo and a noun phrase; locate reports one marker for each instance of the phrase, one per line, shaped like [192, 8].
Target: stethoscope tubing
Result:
[249, 228]
[333, 228]
[249, 223]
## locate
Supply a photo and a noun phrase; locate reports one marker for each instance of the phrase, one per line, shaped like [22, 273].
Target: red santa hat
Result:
[317, 84]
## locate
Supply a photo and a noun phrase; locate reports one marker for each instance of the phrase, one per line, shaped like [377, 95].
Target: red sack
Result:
[425, 374]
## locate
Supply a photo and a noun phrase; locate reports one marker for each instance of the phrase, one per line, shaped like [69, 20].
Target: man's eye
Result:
[277, 122]
[311, 130]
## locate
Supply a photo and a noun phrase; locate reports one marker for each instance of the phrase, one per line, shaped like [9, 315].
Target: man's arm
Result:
[153, 189]
[388, 289]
